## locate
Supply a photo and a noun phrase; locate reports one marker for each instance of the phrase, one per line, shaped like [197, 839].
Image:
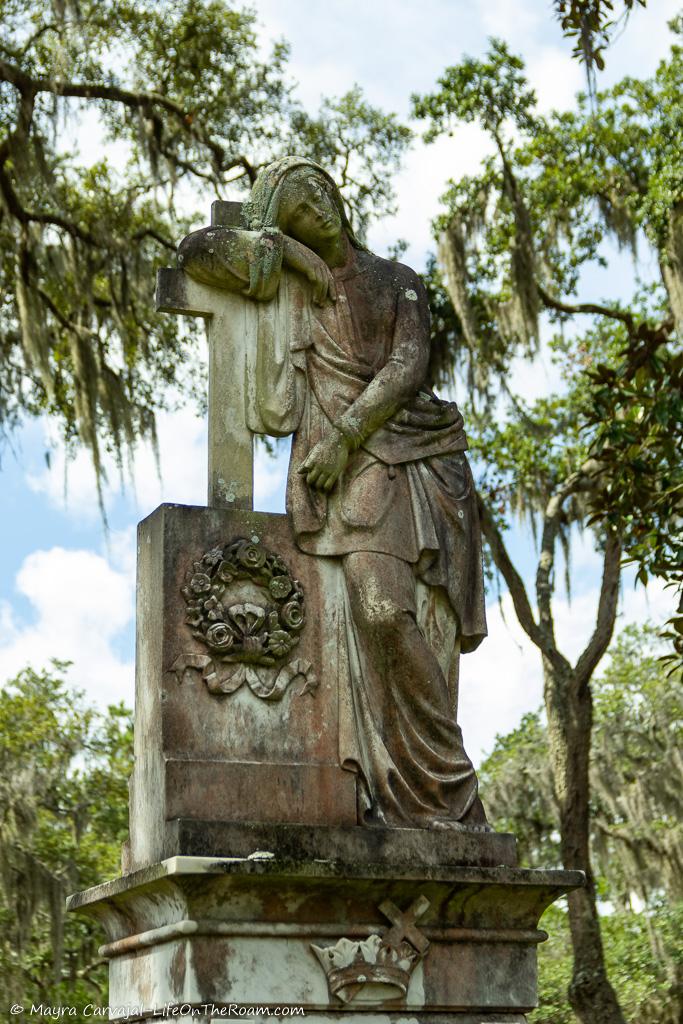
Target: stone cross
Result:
[404, 926]
[229, 330]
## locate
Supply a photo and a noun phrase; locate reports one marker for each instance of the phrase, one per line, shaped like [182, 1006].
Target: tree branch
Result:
[551, 524]
[151, 233]
[617, 833]
[25, 117]
[116, 94]
[585, 307]
[26, 216]
[607, 613]
[84, 972]
[583, 479]
[514, 581]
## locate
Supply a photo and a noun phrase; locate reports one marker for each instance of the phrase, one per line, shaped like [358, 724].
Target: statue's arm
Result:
[250, 262]
[404, 372]
[247, 262]
[399, 379]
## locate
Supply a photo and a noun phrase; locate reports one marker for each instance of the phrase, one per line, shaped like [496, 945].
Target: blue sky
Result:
[68, 591]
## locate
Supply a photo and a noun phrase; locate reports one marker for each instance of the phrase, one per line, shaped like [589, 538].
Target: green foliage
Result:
[517, 788]
[644, 953]
[491, 92]
[636, 830]
[189, 108]
[63, 816]
[516, 243]
[636, 777]
[591, 23]
[527, 457]
[554, 970]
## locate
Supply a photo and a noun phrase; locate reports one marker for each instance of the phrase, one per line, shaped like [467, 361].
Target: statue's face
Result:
[308, 211]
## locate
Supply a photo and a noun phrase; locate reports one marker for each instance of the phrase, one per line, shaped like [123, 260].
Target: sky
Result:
[67, 588]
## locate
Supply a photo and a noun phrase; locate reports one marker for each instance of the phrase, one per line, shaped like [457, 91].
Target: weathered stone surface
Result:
[376, 849]
[296, 677]
[240, 930]
[228, 756]
[230, 328]
[331, 345]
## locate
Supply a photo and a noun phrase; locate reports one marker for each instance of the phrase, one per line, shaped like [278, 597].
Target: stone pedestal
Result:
[247, 880]
[249, 888]
[245, 752]
[354, 925]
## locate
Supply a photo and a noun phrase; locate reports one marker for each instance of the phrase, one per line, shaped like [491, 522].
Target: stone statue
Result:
[296, 676]
[378, 486]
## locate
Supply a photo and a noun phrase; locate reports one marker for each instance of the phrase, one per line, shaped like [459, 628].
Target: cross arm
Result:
[178, 293]
[230, 330]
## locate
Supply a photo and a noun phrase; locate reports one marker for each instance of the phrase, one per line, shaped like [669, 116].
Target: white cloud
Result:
[555, 76]
[644, 42]
[270, 478]
[390, 48]
[419, 186]
[499, 682]
[81, 607]
[181, 476]
[503, 680]
[81, 604]
[516, 23]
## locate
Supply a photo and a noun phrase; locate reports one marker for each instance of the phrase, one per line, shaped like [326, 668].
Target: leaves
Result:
[63, 815]
[517, 243]
[591, 23]
[189, 108]
[636, 833]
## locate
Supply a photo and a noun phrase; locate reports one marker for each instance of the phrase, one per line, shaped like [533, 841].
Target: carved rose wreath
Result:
[242, 630]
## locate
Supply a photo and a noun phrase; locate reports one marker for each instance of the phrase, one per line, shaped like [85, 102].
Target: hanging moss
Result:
[672, 264]
[519, 315]
[454, 261]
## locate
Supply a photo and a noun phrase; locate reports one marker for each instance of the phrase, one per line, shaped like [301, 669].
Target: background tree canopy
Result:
[183, 94]
[516, 244]
[592, 24]
[636, 830]
[189, 106]
[63, 815]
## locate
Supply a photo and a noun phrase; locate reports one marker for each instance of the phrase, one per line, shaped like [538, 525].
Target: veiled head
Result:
[298, 197]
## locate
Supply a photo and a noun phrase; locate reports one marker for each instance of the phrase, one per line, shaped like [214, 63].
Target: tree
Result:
[63, 816]
[591, 23]
[513, 243]
[179, 89]
[635, 825]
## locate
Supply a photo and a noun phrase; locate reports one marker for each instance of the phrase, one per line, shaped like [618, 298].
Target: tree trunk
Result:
[569, 708]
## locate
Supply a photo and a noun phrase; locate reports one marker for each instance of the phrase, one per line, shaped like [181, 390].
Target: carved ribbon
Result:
[261, 682]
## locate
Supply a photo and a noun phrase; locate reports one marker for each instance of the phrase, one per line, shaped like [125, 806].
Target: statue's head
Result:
[298, 197]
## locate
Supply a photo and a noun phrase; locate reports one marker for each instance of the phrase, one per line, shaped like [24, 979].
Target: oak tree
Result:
[183, 106]
[516, 243]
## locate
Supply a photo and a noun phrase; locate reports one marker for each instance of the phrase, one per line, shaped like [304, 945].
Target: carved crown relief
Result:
[377, 969]
[245, 608]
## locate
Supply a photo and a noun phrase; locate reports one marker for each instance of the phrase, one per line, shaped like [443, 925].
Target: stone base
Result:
[416, 938]
[348, 848]
[230, 756]
[350, 1017]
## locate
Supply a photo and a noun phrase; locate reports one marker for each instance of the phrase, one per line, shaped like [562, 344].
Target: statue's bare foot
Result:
[446, 825]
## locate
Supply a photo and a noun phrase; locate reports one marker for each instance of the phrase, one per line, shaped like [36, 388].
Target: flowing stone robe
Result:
[406, 492]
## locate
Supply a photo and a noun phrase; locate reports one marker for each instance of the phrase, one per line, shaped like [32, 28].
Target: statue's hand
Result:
[302, 259]
[326, 460]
